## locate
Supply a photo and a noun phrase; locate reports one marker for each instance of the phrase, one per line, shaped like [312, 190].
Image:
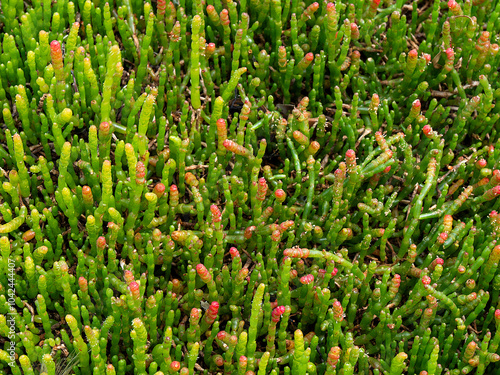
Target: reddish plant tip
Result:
[214, 307]
[262, 189]
[64, 267]
[339, 172]
[156, 234]
[195, 314]
[497, 314]
[280, 195]
[179, 235]
[330, 7]
[335, 271]
[492, 193]
[452, 4]
[307, 279]
[216, 214]
[427, 130]
[297, 134]
[428, 311]
[128, 276]
[83, 284]
[350, 154]
[224, 17]
[235, 148]
[485, 35]
[242, 275]
[427, 58]
[222, 335]
[416, 104]
[101, 242]
[134, 289]
[57, 60]
[243, 361]
[461, 269]
[200, 268]
[281, 50]
[277, 312]
[450, 54]
[173, 188]
[218, 360]
[314, 146]
[338, 311]
[413, 54]
[28, 235]
[481, 163]
[276, 235]
[248, 232]
[296, 252]
[159, 189]
[140, 170]
[104, 127]
[334, 356]
[387, 169]
[162, 6]
[310, 56]
[426, 280]
[203, 273]
[210, 8]
[443, 237]
[232, 340]
[55, 45]
[175, 366]
[440, 261]
[221, 123]
[234, 252]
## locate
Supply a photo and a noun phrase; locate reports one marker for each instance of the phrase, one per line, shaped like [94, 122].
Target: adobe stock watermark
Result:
[11, 321]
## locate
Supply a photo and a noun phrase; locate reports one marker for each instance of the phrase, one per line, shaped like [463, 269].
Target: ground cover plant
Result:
[252, 187]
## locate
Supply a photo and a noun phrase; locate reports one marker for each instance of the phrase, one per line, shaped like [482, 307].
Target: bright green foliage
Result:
[249, 187]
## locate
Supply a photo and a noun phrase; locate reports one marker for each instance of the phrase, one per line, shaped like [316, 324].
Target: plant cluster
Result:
[252, 187]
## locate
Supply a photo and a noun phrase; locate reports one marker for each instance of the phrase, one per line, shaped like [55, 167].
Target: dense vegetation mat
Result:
[252, 187]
